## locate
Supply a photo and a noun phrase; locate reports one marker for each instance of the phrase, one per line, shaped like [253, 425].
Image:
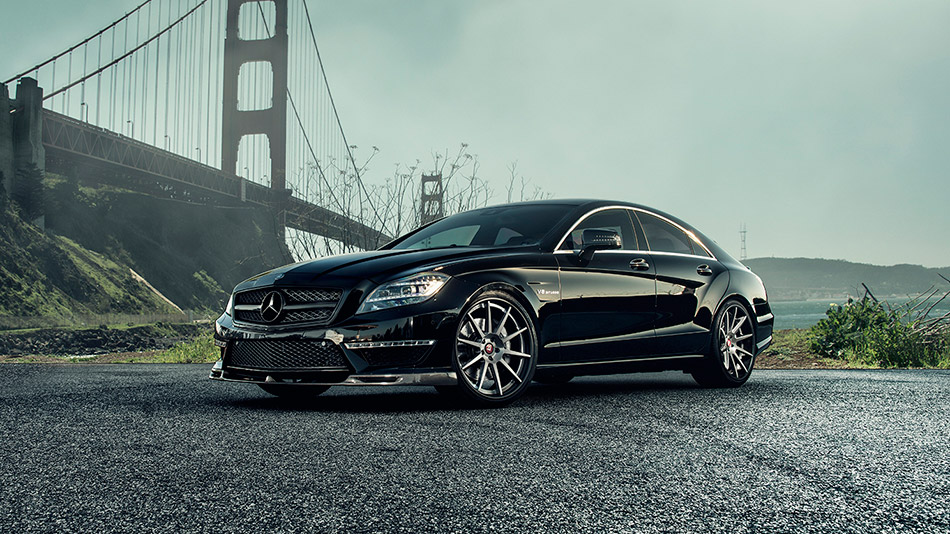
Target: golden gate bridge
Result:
[213, 101]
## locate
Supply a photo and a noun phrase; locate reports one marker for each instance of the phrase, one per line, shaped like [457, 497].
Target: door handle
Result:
[704, 270]
[639, 264]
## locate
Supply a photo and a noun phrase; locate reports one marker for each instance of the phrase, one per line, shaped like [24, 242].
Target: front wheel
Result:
[496, 350]
[731, 354]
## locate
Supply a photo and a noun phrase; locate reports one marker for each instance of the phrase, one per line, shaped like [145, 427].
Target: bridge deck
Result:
[73, 145]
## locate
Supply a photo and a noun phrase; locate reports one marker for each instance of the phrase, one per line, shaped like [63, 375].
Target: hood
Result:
[376, 266]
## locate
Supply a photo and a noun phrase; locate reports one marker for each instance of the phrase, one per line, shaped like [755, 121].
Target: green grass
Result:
[198, 350]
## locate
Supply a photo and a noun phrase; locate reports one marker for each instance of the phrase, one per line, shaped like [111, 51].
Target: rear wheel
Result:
[731, 354]
[285, 391]
[496, 351]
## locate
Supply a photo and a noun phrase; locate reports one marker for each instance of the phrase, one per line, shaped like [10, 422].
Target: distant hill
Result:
[809, 278]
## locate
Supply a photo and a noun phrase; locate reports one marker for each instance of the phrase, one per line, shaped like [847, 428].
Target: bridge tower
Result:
[431, 199]
[272, 121]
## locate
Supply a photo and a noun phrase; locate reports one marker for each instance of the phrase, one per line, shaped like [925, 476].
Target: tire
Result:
[731, 354]
[495, 353]
[289, 392]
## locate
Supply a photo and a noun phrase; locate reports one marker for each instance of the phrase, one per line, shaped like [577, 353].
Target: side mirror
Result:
[593, 240]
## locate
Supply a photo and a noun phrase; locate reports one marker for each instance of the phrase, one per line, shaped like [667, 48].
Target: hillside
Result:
[95, 237]
[49, 275]
[806, 278]
[193, 254]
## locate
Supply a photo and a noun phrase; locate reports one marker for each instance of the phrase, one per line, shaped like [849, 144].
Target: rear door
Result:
[685, 274]
[607, 305]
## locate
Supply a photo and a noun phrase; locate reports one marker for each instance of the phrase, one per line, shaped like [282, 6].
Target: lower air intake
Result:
[281, 355]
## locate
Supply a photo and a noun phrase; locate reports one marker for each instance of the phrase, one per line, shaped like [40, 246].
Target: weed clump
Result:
[874, 332]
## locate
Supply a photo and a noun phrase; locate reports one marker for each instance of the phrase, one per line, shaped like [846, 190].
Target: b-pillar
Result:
[272, 121]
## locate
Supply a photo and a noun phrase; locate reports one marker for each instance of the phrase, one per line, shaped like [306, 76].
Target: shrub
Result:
[874, 332]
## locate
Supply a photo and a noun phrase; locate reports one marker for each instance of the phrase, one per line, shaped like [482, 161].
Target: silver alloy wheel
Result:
[736, 341]
[494, 348]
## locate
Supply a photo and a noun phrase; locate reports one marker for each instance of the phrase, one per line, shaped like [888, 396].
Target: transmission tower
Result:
[431, 198]
[742, 232]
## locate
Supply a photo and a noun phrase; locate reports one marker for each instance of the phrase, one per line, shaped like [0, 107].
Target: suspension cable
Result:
[346, 144]
[127, 54]
[82, 43]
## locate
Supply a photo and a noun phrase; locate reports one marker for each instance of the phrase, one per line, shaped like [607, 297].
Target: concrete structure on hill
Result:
[21, 130]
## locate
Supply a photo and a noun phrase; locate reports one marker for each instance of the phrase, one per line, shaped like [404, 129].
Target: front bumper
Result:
[391, 350]
[431, 378]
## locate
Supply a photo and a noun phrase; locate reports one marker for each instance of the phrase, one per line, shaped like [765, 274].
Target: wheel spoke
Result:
[481, 381]
[743, 338]
[742, 363]
[743, 351]
[475, 344]
[738, 322]
[475, 324]
[512, 336]
[516, 353]
[510, 370]
[473, 362]
[488, 327]
[503, 319]
[497, 379]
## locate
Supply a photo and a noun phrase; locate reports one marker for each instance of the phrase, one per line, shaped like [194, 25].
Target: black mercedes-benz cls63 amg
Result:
[481, 303]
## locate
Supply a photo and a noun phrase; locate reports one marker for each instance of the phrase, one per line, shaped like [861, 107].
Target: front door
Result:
[608, 304]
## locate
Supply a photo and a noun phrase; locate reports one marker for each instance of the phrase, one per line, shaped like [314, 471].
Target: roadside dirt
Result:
[99, 340]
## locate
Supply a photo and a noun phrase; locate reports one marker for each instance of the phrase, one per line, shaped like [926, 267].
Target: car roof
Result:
[583, 205]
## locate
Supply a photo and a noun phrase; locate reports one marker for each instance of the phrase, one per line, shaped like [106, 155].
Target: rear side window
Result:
[663, 236]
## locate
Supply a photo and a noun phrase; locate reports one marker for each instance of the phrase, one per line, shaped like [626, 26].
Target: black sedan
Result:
[481, 303]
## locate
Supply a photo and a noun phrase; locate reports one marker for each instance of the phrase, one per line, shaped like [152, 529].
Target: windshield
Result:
[489, 227]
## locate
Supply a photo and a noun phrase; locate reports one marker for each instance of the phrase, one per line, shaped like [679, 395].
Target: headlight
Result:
[409, 290]
[229, 309]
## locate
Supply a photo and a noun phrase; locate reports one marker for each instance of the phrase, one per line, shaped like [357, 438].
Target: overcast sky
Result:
[824, 126]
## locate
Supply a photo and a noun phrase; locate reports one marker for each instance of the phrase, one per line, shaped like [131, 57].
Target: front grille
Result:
[249, 316]
[294, 354]
[301, 305]
[302, 296]
[319, 314]
[251, 297]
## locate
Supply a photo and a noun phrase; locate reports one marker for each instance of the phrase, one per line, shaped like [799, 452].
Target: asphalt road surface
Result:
[131, 448]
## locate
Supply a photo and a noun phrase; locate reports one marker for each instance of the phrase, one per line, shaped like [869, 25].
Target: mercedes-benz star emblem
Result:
[271, 306]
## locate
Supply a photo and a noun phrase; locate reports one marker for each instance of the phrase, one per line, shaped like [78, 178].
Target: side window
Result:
[698, 248]
[663, 236]
[616, 220]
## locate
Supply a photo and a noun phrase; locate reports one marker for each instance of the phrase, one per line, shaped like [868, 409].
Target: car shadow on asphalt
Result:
[419, 399]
